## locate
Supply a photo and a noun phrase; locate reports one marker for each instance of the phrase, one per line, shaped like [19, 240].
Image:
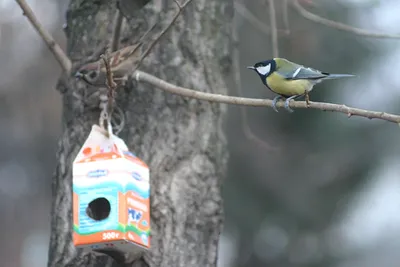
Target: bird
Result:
[122, 63]
[290, 80]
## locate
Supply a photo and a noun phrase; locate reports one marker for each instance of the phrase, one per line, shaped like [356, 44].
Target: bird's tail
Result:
[337, 76]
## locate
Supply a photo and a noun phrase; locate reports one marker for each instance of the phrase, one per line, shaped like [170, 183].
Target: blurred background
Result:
[311, 189]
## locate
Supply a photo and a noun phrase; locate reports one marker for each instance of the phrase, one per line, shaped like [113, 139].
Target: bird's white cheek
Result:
[264, 69]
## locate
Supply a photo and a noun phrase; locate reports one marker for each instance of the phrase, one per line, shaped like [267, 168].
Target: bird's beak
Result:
[250, 67]
[78, 75]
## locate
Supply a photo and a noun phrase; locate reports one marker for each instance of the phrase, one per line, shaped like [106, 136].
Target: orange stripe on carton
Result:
[111, 196]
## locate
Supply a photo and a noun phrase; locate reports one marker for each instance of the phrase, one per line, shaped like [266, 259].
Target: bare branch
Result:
[180, 8]
[245, 13]
[111, 85]
[285, 4]
[114, 44]
[254, 102]
[238, 82]
[274, 33]
[178, 4]
[58, 53]
[340, 26]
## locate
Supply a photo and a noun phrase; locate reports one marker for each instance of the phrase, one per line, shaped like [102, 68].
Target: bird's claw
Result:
[307, 97]
[287, 105]
[274, 103]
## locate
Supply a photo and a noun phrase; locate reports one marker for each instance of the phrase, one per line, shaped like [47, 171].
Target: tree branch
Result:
[285, 4]
[145, 53]
[274, 32]
[58, 53]
[248, 133]
[338, 25]
[245, 13]
[114, 44]
[254, 102]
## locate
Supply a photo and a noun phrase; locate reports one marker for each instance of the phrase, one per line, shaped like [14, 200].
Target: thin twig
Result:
[340, 26]
[274, 33]
[140, 42]
[245, 13]
[254, 102]
[58, 53]
[147, 32]
[238, 82]
[114, 44]
[111, 85]
[180, 9]
[285, 4]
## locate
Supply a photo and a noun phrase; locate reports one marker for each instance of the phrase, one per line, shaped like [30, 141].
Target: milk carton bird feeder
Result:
[111, 190]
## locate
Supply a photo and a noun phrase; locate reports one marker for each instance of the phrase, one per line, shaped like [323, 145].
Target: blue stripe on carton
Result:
[97, 173]
[105, 186]
[136, 176]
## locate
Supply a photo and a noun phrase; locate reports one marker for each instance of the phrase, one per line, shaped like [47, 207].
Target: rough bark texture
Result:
[181, 139]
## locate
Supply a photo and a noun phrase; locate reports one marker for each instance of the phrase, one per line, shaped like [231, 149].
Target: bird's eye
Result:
[82, 72]
[92, 74]
[88, 76]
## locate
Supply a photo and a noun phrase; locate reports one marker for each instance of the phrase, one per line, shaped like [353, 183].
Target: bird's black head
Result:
[264, 68]
[89, 73]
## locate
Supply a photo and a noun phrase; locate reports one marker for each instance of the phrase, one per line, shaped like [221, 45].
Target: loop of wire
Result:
[119, 116]
[107, 99]
[107, 116]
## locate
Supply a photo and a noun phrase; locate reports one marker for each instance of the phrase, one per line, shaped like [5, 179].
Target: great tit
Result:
[290, 80]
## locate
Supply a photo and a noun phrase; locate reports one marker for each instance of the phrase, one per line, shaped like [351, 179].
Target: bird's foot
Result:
[274, 102]
[287, 103]
[121, 81]
[307, 97]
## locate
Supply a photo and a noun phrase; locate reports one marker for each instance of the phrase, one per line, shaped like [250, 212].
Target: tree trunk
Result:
[180, 139]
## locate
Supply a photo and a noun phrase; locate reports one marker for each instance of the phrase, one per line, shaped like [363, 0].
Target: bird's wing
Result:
[132, 50]
[302, 73]
[123, 54]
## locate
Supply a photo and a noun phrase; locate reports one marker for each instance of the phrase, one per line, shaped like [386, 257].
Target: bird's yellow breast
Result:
[288, 88]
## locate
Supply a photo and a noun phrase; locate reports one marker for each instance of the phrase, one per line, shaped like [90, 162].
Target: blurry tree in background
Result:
[326, 196]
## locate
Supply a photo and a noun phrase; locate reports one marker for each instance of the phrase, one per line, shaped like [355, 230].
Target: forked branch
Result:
[58, 53]
[148, 50]
[254, 21]
[338, 25]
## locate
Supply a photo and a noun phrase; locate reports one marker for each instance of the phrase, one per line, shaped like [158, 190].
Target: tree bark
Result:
[181, 140]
